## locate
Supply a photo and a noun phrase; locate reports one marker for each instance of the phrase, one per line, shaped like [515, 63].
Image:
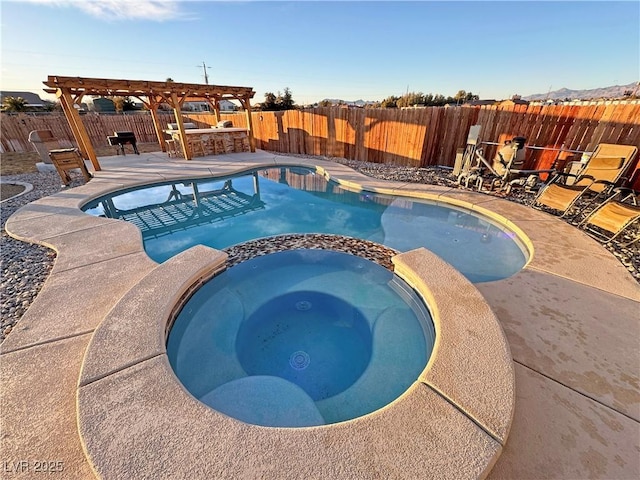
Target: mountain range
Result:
[357, 103]
[616, 91]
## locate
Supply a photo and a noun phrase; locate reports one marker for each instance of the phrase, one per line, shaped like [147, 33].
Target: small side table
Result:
[65, 159]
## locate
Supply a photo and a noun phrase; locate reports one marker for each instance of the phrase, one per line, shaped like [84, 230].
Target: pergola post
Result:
[177, 112]
[153, 108]
[77, 128]
[247, 108]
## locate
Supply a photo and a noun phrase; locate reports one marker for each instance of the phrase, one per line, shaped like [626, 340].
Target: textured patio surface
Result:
[571, 318]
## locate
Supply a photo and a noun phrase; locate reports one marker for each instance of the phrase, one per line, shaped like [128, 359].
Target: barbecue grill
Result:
[120, 139]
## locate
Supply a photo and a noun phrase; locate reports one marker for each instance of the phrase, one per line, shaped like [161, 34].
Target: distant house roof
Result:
[202, 106]
[102, 104]
[480, 102]
[514, 101]
[32, 99]
[227, 105]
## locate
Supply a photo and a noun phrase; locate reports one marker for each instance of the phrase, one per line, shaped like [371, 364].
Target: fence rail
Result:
[414, 137]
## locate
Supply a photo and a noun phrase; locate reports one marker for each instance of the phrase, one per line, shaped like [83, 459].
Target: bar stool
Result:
[218, 146]
[172, 149]
[207, 145]
[238, 145]
[197, 146]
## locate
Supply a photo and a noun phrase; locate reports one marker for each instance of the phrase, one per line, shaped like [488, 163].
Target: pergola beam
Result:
[112, 87]
[70, 90]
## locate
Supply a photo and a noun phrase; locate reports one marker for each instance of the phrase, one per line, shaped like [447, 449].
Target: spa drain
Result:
[303, 305]
[299, 360]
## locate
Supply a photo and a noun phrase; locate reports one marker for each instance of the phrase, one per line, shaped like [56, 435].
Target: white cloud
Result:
[153, 10]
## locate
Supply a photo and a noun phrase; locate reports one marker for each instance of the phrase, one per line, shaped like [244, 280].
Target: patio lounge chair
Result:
[504, 172]
[507, 165]
[600, 174]
[615, 216]
[66, 159]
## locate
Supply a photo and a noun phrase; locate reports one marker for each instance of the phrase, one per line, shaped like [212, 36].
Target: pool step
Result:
[395, 350]
[265, 400]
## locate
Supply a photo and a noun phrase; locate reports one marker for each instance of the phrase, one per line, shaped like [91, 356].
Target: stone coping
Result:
[461, 432]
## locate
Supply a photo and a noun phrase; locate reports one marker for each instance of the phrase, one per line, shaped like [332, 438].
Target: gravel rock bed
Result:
[25, 267]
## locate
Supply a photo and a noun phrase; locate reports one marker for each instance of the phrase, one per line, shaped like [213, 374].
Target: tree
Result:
[410, 99]
[471, 97]
[128, 104]
[284, 101]
[460, 96]
[117, 102]
[463, 96]
[439, 100]
[269, 103]
[389, 102]
[14, 104]
[123, 104]
[52, 106]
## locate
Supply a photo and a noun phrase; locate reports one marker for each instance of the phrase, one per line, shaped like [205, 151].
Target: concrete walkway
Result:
[571, 318]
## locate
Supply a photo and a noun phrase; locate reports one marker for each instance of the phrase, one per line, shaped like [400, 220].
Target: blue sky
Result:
[347, 50]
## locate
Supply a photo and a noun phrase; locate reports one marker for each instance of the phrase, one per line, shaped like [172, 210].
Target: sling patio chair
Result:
[599, 176]
[507, 165]
[617, 215]
[498, 174]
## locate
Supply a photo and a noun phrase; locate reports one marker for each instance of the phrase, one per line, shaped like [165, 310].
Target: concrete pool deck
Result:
[571, 319]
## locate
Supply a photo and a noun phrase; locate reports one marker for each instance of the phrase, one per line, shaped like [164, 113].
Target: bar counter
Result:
[211, 141]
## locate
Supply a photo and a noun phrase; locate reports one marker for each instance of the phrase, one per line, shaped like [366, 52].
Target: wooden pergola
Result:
[71, 90]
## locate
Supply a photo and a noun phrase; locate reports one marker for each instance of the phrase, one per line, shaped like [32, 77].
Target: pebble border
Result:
[355, 246]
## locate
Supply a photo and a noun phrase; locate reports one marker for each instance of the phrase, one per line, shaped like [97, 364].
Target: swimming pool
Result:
[334, 338]
[226, 211]
[144, 399]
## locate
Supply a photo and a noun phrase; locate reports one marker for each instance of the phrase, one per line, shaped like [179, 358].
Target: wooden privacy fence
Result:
[414, 137]
[16, 128]
[431, 136]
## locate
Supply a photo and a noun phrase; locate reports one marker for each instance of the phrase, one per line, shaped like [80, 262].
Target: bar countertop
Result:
[192, 131]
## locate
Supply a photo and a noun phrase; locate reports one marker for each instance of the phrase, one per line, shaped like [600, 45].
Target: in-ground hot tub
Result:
[132, 407]
[300, 338]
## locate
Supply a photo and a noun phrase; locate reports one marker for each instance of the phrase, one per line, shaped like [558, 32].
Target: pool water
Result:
[301, 338]
[221, 212]
[323, 327]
